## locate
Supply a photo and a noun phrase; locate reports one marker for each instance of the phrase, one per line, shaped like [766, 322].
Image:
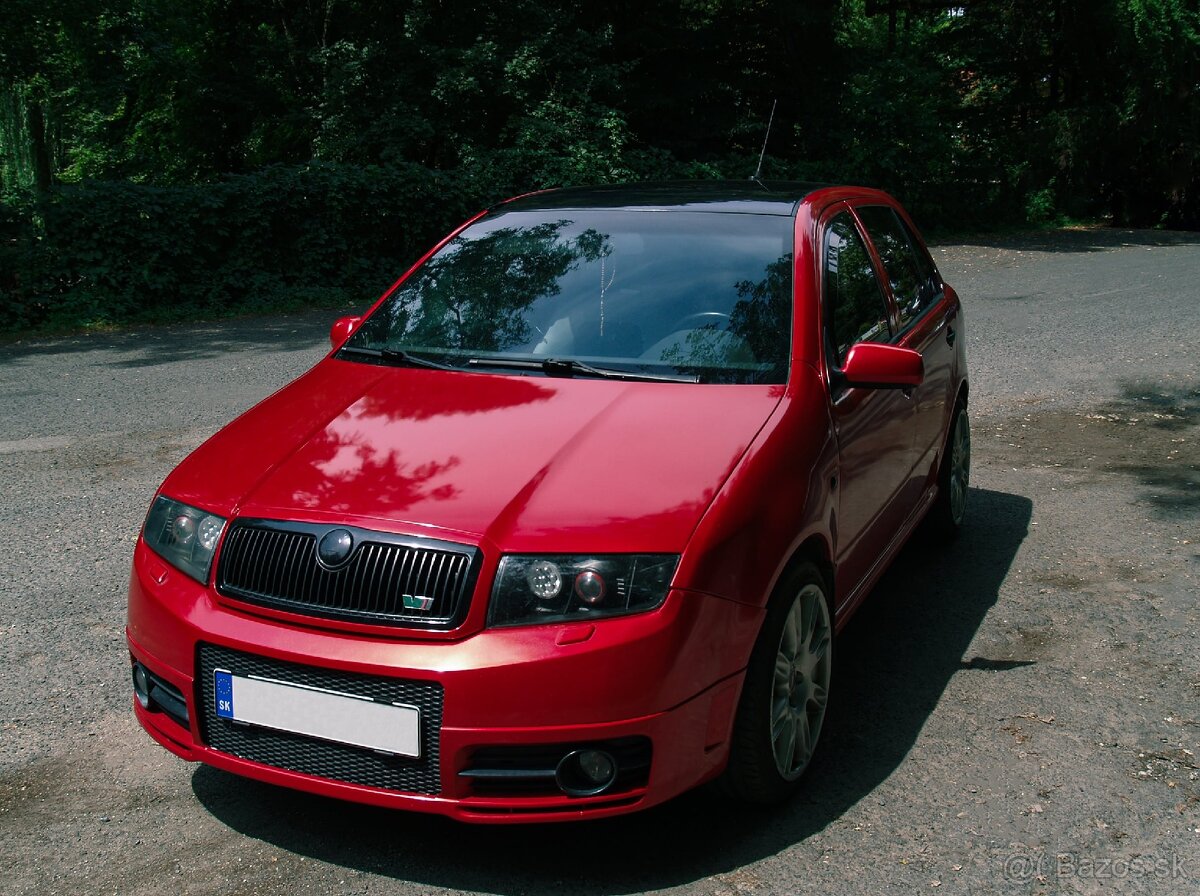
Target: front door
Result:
[874, 427]
[927, 322]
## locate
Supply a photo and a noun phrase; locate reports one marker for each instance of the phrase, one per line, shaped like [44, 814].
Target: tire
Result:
[954, 477]
[785, 696]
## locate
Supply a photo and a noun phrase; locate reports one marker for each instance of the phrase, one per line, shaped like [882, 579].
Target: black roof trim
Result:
[729, 196]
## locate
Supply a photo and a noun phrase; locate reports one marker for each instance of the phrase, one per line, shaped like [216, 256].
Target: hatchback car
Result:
[566, 523]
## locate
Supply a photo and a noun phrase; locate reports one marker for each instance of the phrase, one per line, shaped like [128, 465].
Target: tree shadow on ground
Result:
[149, 346]
[1166, 461]
[1090, 239]
[896, 659]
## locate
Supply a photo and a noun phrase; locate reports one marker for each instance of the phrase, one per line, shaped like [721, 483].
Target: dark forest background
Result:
[164, 159]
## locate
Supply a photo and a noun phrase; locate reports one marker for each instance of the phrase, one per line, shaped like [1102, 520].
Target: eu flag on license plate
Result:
[224, 681]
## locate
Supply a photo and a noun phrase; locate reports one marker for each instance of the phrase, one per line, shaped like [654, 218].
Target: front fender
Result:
[777, 498]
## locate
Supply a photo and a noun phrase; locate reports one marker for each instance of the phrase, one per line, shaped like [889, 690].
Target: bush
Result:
[104, 252]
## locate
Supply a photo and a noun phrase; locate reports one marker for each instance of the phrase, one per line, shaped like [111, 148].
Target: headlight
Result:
[183, 536]
[555, 588]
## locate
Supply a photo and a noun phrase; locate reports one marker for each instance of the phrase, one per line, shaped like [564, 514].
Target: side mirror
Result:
[870, 365]
[341, 330]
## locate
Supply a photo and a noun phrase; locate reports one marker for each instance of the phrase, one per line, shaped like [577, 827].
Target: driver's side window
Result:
[855, 306]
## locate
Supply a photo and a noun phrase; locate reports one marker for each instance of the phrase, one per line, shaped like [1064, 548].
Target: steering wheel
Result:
[698, 320]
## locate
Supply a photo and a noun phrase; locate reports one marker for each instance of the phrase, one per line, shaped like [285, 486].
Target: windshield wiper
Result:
[396, 356]
[567, 367]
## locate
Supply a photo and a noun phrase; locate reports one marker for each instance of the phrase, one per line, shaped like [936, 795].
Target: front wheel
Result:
[954, 477]
[786, 692]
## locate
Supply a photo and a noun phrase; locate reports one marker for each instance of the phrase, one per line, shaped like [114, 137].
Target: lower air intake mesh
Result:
[323, 759]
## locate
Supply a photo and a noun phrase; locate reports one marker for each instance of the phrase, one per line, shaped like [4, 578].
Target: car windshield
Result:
[701, 294]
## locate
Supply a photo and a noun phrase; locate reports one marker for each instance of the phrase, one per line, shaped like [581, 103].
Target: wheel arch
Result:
[815, 549]
[962, 396]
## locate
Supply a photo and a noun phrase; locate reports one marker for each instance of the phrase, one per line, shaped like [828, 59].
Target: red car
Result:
[566, 524]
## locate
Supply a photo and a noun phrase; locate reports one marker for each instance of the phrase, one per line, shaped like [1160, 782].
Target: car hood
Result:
[525, 462]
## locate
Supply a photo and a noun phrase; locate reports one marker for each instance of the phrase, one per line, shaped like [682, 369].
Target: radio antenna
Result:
[761, 155]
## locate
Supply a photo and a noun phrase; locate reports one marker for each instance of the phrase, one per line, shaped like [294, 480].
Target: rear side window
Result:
[912, 276]
[855, 305]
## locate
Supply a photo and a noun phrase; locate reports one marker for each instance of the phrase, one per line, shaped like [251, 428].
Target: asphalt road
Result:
[1017, 714]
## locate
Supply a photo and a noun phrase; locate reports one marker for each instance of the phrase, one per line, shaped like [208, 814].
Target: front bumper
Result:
[670, 677]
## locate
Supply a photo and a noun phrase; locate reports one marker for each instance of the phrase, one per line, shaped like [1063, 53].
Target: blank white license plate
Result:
[327, 715]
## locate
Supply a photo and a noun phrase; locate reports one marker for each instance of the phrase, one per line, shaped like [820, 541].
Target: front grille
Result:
[385, 580]
[324, 759]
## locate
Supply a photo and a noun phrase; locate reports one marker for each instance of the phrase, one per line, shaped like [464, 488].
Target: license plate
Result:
[327, 715]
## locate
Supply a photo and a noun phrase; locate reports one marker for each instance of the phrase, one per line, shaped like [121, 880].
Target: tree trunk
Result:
[42, 174]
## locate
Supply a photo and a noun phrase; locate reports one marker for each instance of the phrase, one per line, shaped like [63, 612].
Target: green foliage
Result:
[287, 236]
[897, 115]
[159, 157]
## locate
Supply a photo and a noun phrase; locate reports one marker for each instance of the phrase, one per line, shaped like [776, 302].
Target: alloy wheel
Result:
[800, 686]
[960, 466]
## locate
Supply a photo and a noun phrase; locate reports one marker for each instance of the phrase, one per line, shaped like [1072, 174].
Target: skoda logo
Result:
[335, 548]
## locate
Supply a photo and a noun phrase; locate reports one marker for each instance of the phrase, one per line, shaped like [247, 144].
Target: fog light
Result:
[141, 686]
[586, 772]
[597, 766]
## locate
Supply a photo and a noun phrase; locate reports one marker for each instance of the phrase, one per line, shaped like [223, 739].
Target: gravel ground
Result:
[1019, 713]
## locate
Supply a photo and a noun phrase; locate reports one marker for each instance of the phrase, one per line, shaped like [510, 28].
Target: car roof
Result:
[729, 196]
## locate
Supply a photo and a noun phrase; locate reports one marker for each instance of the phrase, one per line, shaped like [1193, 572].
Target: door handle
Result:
[948, 323]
